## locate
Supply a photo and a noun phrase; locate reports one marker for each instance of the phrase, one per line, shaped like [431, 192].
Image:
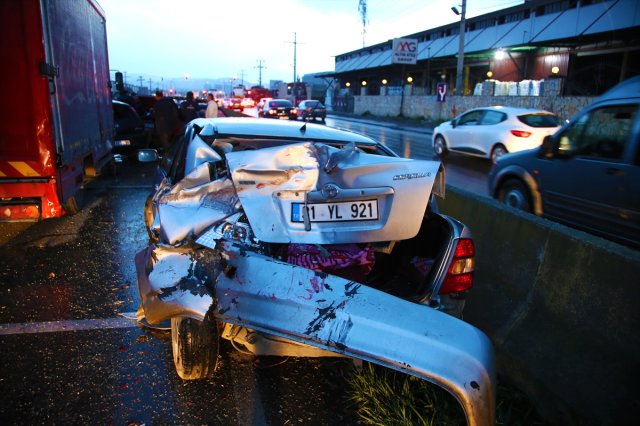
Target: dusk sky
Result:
[171, 39]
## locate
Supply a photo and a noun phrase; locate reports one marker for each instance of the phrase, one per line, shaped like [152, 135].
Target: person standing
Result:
[167, 122]
[212, 107]
[189, 108]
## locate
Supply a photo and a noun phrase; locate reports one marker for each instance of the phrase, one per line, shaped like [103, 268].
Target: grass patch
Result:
[381, 396]
[385, 397]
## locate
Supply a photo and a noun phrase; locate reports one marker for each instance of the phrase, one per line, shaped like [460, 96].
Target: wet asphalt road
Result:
[72, 355]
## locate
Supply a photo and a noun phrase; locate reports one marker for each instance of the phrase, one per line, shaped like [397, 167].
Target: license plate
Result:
[336, 212]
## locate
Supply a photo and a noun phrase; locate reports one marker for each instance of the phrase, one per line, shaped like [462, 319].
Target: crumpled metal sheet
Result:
[269, 181]
[194, 204]
[176, 281]
[324, 311]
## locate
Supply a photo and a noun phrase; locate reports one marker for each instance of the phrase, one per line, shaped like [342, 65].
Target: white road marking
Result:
[128, 320]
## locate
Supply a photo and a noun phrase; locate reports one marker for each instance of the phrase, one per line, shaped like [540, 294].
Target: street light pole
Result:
[460, 66]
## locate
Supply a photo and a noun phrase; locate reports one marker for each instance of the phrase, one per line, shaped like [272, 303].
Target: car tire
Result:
[440, 146]
[498, 151]
[514, 193]
[195, 345]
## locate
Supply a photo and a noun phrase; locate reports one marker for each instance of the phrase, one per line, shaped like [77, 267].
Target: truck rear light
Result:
[460, 274]
[20, 212]
[521, 133]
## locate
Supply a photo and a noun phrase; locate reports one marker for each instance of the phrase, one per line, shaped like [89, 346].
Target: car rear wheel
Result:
[514, 193]
[195, 346]
[498, 151]
[440, 146]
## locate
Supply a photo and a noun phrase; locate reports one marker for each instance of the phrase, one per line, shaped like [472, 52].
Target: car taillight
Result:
[294, 111]
[460, 274]
[521, 133]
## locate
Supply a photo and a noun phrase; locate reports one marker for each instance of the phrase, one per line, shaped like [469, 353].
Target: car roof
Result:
[259, 127]
[628, 89]
[513, 110]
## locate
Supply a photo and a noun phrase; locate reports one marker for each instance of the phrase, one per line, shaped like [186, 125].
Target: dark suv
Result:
[586, 175]
[131, 133]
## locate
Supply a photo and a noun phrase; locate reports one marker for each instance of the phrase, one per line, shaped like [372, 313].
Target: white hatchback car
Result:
[494, 131]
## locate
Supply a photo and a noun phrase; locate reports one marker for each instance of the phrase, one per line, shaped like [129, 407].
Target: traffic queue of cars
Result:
[283, 109]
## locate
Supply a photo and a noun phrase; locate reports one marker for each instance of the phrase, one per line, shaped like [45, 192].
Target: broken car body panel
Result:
[324, 311]
[211, 260]
[373, 198]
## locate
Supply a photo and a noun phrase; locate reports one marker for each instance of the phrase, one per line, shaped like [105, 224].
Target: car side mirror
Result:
[148, 155]
[548, 147]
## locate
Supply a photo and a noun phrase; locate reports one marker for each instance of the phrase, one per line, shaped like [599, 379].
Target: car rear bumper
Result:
[324, 311]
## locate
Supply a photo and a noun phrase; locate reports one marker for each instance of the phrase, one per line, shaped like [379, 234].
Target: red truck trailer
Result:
[56, 119]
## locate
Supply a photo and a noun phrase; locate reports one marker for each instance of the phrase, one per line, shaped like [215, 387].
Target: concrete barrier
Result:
[561, 308]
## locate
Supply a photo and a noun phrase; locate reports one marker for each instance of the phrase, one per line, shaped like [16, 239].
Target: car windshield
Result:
[121, 112]
[539, 120]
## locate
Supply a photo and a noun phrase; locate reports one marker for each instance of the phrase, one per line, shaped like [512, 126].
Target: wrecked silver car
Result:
[303, 240]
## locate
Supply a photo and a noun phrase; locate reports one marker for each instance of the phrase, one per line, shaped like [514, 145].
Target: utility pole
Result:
[460, 65]
[362, 8]
[295, 45]
[260, 67]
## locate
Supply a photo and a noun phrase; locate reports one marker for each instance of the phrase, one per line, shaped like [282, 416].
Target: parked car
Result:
[311, 109]
[314, 242]
[279, 108]
[130, 132]
[587, 175]
[494, 131]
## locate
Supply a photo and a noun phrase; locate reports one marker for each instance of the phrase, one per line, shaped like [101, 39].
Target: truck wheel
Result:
[75, 203]
[195, 347]
[440, 146]
[515, 194]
